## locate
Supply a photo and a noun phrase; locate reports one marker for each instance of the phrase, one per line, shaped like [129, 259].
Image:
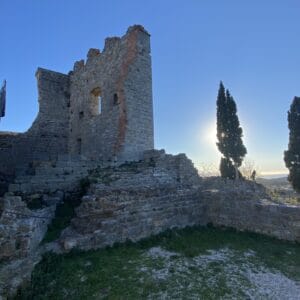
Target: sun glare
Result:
[210, 134]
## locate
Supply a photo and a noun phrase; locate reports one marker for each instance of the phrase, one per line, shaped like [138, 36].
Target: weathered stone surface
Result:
[245, 206]
[133, 191]
[16, 273]
[100, 111]
[135, 200]
[138, 200]
[21, 229]
[52, 177]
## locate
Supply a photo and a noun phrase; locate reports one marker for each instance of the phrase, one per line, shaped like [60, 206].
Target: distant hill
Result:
[273, 181]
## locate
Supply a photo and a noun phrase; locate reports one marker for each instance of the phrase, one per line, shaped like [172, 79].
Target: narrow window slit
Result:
[96, 101]
[116, 100]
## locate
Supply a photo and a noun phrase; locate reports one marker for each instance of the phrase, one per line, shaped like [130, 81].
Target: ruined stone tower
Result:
[111, 99]
[102, 110]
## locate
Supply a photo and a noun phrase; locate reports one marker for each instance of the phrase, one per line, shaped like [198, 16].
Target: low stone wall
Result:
[136, 200]
[121, 210]
[231, 209]
[131, 215]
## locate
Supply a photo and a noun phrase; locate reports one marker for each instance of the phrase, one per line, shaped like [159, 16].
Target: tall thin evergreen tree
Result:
[292, 155]
[229, 133]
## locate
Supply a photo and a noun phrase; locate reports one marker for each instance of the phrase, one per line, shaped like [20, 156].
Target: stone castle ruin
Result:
[101, 111]
[92, 143]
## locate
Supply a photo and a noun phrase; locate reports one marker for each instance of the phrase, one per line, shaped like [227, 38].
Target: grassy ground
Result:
[192, 263]
[284, 196]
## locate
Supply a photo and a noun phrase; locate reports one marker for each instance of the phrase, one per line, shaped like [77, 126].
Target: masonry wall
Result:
[138, 92]
[121, 76]
[50, 129]
[232, 209]
[20, 236]
[70, 122]
[47, 136]
[137, 214]
[7, 160]
[143, 205]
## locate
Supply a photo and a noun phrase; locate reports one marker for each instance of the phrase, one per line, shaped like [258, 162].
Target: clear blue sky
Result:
[253, 46]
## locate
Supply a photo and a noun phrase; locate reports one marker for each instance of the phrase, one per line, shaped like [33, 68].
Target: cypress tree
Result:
[226, 168]
[229, 133]
[292, 155]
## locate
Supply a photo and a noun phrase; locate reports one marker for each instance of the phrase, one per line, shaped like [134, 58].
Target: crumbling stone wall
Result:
[47, 137]
[117, 216]
[7, 160]
[247, 209]
[111, 217]
[69, 122]
[135, 200]
[121, 76]
[164, 192]
[21, 234]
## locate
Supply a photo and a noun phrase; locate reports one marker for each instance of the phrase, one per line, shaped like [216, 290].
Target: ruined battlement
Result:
[117, 83]
[102, 110]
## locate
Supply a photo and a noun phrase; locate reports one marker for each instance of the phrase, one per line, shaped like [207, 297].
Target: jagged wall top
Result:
[109, 45]
[68, 124]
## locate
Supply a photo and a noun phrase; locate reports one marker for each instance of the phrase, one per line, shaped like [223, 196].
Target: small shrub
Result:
[84, 184]
[63, 216]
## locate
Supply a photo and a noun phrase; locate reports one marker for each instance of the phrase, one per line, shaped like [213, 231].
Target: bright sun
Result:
[210, 134]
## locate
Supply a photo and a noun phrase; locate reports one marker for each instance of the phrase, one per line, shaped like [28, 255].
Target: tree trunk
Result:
[237, 177]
